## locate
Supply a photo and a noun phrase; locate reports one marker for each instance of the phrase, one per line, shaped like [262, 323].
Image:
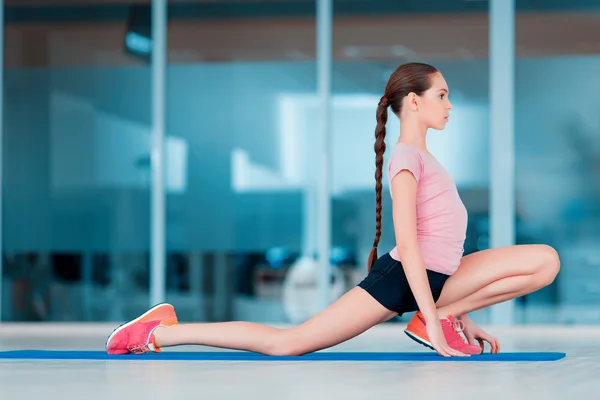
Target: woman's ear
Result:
[413, 101]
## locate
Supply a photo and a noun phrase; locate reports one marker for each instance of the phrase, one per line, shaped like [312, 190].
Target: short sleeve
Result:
[404, 158]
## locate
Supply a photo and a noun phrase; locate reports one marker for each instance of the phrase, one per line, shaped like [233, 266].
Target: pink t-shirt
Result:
[441, 214]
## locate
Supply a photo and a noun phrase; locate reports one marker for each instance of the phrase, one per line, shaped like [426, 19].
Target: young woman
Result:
[426, 271]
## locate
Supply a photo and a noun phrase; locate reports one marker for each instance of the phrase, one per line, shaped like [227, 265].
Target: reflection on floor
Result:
[576, 375]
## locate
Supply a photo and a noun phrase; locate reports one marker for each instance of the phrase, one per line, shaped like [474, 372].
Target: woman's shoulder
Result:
[406, 157]
[402, 148]
[403, 152]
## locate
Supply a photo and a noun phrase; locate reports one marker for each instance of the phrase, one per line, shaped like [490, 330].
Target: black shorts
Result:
[387, 283]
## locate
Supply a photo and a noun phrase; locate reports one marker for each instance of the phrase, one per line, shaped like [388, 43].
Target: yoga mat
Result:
[247, 356]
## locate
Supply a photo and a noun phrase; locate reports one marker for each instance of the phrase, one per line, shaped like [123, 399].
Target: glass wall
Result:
[75, 160]
[557, 149]
[237, 211]
[241, 137]
[368, 46]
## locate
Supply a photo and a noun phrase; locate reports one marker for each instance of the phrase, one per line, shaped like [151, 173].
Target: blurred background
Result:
[241, 153]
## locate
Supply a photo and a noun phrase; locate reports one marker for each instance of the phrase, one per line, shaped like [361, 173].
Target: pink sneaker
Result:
[452, 328]
[136, 336]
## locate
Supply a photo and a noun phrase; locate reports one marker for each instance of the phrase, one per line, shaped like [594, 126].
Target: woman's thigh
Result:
[480, 269]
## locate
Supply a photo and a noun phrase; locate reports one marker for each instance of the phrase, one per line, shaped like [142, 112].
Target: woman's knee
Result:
[549, 264]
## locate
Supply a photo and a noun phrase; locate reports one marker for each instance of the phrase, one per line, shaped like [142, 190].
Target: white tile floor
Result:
[577, 375]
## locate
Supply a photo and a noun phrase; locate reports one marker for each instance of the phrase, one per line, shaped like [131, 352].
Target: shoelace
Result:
[456, 326]
[139, 349]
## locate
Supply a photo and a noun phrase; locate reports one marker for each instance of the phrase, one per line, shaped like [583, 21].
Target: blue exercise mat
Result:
[247, 356]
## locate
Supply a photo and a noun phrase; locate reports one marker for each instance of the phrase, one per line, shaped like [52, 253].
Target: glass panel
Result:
[76, 175]
[236, 206]
[369, 45]
[558, 155]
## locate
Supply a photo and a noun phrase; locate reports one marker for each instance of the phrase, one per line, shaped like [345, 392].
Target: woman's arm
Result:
[404, 194]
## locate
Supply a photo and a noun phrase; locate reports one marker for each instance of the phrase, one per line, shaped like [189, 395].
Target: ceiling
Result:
[280, 30]
[360, 6]
[35, 11]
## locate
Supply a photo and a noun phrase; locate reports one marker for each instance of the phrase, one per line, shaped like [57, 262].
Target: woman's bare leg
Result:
[492, 276]
[350, 315]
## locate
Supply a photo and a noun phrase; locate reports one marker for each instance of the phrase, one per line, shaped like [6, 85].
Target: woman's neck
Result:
[413, 135]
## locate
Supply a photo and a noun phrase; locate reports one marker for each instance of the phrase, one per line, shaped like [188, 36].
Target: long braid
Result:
[379, 148]
[407, 78]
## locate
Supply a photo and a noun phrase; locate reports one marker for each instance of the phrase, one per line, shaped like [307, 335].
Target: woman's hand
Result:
[473, 332]
[438, 340]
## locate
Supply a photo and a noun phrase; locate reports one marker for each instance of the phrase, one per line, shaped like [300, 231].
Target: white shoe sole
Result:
[419, 340]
